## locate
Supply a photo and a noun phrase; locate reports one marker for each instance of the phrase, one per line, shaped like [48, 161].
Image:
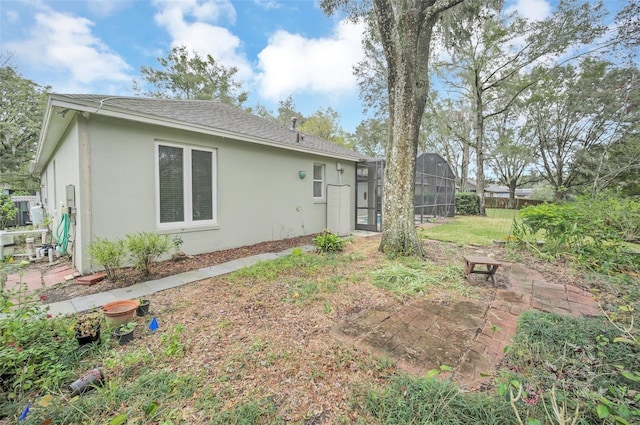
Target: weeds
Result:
[36, 350]
[593, 232]
[328, 242]
[171, 344]
[585, 364]
[407, 400]
[410, 277]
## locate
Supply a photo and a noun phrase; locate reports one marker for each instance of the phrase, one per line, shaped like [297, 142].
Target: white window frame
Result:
[321, 180]
[187, 190]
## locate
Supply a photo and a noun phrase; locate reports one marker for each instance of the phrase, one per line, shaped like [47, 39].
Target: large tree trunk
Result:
[399, 236]
[464, 169]
[479, 145]
[405, 32]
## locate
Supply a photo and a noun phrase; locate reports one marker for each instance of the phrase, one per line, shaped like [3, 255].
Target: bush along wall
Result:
[467, 203]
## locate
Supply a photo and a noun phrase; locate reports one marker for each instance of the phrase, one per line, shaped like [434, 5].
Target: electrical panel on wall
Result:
[71, 196]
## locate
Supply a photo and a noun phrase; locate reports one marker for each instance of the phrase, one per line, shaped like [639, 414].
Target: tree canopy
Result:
[22, 105]
[187, 75]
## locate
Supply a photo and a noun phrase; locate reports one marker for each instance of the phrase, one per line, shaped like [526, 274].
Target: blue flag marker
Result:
[153, 325]
[23, 416]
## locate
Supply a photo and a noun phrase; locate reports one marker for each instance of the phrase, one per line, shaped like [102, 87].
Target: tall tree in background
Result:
[326, 125]
[22, 105]
[286, 112]
[371, 72]
[405, 29]
[489, 55]
[447, 131]
[186, 75]
[584, 122]
[628, 24]
[370, 137]
[511, 159]
[616, 109]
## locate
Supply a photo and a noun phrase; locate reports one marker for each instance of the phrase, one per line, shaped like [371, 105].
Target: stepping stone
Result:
[91, 279]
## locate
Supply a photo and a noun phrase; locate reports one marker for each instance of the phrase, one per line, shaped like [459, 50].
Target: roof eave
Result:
[54, 124]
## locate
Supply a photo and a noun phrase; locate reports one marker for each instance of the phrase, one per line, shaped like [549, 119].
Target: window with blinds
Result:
[186, 186]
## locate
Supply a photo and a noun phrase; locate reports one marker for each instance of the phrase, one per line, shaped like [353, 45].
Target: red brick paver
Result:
[32, 278]
[37, 279]
[420, 335]
[527, 290]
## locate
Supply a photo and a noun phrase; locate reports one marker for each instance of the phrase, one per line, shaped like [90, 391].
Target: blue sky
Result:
[281, 47]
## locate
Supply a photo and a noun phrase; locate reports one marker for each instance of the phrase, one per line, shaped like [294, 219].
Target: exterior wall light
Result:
[302, 174]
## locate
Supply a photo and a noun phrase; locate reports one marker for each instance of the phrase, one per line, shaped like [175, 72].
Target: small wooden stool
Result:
[492, 267]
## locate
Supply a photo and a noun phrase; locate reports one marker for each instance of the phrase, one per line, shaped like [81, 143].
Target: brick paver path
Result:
[469, 336]
[36, 279]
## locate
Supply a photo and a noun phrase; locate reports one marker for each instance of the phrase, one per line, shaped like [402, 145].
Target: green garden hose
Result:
[62, 235]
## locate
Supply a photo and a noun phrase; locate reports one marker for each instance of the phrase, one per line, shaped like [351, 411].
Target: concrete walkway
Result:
[89, 302]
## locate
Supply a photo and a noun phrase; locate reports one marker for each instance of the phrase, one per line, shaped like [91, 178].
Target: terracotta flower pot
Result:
[119, 312]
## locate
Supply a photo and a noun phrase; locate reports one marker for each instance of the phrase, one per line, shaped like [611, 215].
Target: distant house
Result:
[211, 173]
[496, 191]
[493, 191]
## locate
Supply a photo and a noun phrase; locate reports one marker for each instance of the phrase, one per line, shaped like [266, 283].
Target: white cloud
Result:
[190, 23]
[12, 16]
[106, 7]
[65, 43]
[532, 10]
[175, 16]
[267, 4]
[292, 63]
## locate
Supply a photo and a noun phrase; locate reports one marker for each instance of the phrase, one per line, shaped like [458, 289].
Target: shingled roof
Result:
[204, 116]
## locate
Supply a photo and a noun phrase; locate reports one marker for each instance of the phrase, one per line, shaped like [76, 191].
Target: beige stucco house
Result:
[215, 175]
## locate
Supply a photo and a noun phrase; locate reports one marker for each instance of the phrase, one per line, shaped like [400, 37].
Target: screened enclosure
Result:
[435, 191]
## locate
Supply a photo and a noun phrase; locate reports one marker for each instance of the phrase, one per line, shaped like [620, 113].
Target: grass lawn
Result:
[476, 230]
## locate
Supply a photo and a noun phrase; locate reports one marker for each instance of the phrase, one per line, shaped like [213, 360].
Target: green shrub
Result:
[329, 242]
[467, 203]
[591, 231]
[109, 254]
[145, 248]
[622, 214]
[8, 210]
